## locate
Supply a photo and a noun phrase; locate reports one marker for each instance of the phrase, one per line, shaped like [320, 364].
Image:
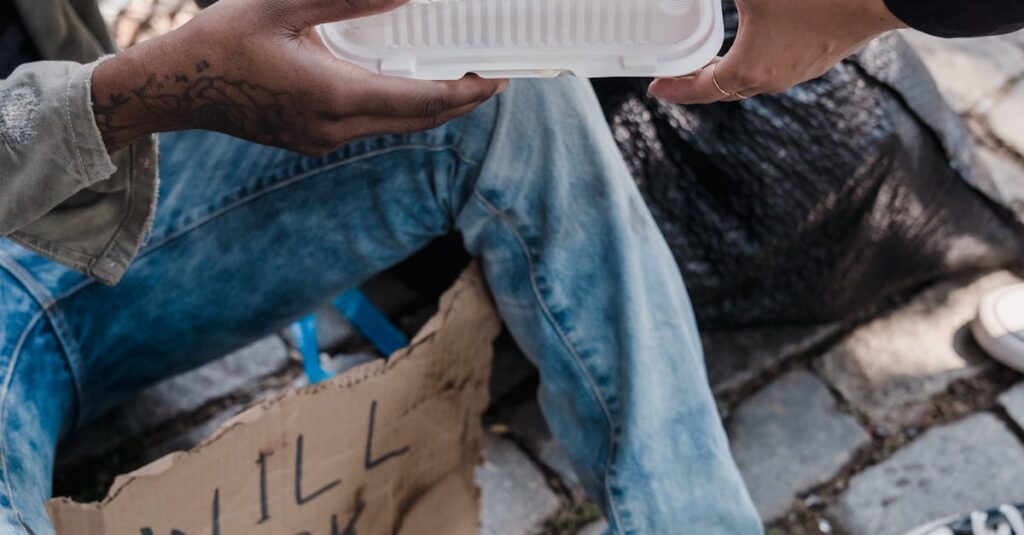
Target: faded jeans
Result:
[249, 238]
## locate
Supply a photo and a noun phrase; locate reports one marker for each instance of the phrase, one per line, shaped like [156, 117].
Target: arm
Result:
[782, 43]
[250, 68]
[49, 146]
[957, 18]
[256, 70]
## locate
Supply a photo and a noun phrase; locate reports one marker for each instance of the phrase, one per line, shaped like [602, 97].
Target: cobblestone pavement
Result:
[899, 421]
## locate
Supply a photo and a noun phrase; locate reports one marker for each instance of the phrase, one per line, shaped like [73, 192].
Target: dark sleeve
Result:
[960, 18]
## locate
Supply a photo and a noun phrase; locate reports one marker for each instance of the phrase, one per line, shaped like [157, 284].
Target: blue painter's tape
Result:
[371, 322]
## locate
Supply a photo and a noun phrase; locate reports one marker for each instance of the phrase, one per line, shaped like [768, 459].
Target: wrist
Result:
[118, 84]
[117, 112]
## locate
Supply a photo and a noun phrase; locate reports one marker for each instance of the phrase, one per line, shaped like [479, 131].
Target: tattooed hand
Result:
[255, 69]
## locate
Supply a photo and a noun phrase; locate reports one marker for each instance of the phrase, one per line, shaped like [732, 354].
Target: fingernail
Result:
[651, 89]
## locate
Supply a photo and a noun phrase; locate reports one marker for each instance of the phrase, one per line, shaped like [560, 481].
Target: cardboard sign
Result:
[386, 448]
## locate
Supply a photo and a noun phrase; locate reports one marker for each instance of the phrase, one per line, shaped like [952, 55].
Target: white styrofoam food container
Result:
[446, 39]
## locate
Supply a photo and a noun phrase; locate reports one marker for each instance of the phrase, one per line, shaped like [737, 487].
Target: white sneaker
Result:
[999, 327]
[1003, 520]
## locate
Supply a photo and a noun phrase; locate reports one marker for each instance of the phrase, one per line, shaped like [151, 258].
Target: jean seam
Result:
[129, 211]
[294, 179]
[616, 521]
[48, 306]
[11, 368]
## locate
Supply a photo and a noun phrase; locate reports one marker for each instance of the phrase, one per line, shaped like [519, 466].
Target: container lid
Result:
[446, 39]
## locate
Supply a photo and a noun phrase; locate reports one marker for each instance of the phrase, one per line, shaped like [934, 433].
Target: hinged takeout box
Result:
[446, 39]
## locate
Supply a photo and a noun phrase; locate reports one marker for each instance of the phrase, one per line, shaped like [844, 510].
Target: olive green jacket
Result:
[61, 194]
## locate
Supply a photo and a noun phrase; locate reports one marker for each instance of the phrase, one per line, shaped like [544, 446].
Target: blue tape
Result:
[304, 334]
[363, 315]
[371, 322]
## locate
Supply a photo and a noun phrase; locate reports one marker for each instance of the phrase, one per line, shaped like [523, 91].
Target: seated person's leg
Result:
[36, 394]
[248, 238]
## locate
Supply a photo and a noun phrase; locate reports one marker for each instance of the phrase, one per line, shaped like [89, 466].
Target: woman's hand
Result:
[257, 70]
[781, 43]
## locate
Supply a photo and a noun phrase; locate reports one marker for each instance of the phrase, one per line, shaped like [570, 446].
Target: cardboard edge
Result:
[69, 516]
[65, 511]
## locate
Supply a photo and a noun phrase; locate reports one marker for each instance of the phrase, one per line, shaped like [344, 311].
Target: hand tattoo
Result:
[107, 118]
[207, 102]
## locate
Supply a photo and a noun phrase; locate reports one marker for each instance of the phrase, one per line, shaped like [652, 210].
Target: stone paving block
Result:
[179, 396]
[1006, 118]
[332, 329]
[736, 357]
[527, 424]
[594, 528]
[975, 463]
[1013, 401]
[790, 437]
[892, 366]
[516, 499]
[968, 71]
[1008, 175]
[189, 438]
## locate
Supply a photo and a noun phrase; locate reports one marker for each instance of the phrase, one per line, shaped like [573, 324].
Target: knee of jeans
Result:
[558, 105]
[551, 144]
[36, 398]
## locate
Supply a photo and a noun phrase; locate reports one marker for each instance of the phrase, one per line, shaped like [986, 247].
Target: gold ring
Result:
[741, 95]
[714, 79]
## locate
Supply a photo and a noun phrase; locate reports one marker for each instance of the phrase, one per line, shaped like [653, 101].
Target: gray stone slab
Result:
[1013, 401]
[527, 424]
[1008, 175]
[516, 499]
[132, 452]
[332, 329]
[595, 528]
[179, 396]
[734, 358]
[189, 391]
[975, 463]
[337, 364]
[1006, 118]
[969, 71]
[789, 437]
[892, 366]
[190, 437]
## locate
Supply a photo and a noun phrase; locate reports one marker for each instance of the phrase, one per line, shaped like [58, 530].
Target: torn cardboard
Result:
[386, 448]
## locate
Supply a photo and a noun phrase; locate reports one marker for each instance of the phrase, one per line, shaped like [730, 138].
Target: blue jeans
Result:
[248, 238]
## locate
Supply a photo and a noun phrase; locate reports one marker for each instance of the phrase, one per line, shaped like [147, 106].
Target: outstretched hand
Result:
[781, 43]
[257, 70]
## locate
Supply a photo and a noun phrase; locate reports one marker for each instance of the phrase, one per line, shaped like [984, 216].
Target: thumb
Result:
[313, 12]
[714, 83]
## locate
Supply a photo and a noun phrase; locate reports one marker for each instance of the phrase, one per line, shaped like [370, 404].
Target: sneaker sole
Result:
[929, 528]
[993, 336]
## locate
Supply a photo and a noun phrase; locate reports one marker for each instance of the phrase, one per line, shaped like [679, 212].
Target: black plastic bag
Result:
[818, 204]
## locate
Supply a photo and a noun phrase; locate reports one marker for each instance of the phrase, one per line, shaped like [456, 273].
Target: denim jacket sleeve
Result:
[61, 194]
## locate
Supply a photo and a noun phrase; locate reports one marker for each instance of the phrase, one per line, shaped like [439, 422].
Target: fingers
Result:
[313, 12]
[717, 81]
[725, 78]
[377, 125]
[443, 102]
[338, 133]
[403, 97]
